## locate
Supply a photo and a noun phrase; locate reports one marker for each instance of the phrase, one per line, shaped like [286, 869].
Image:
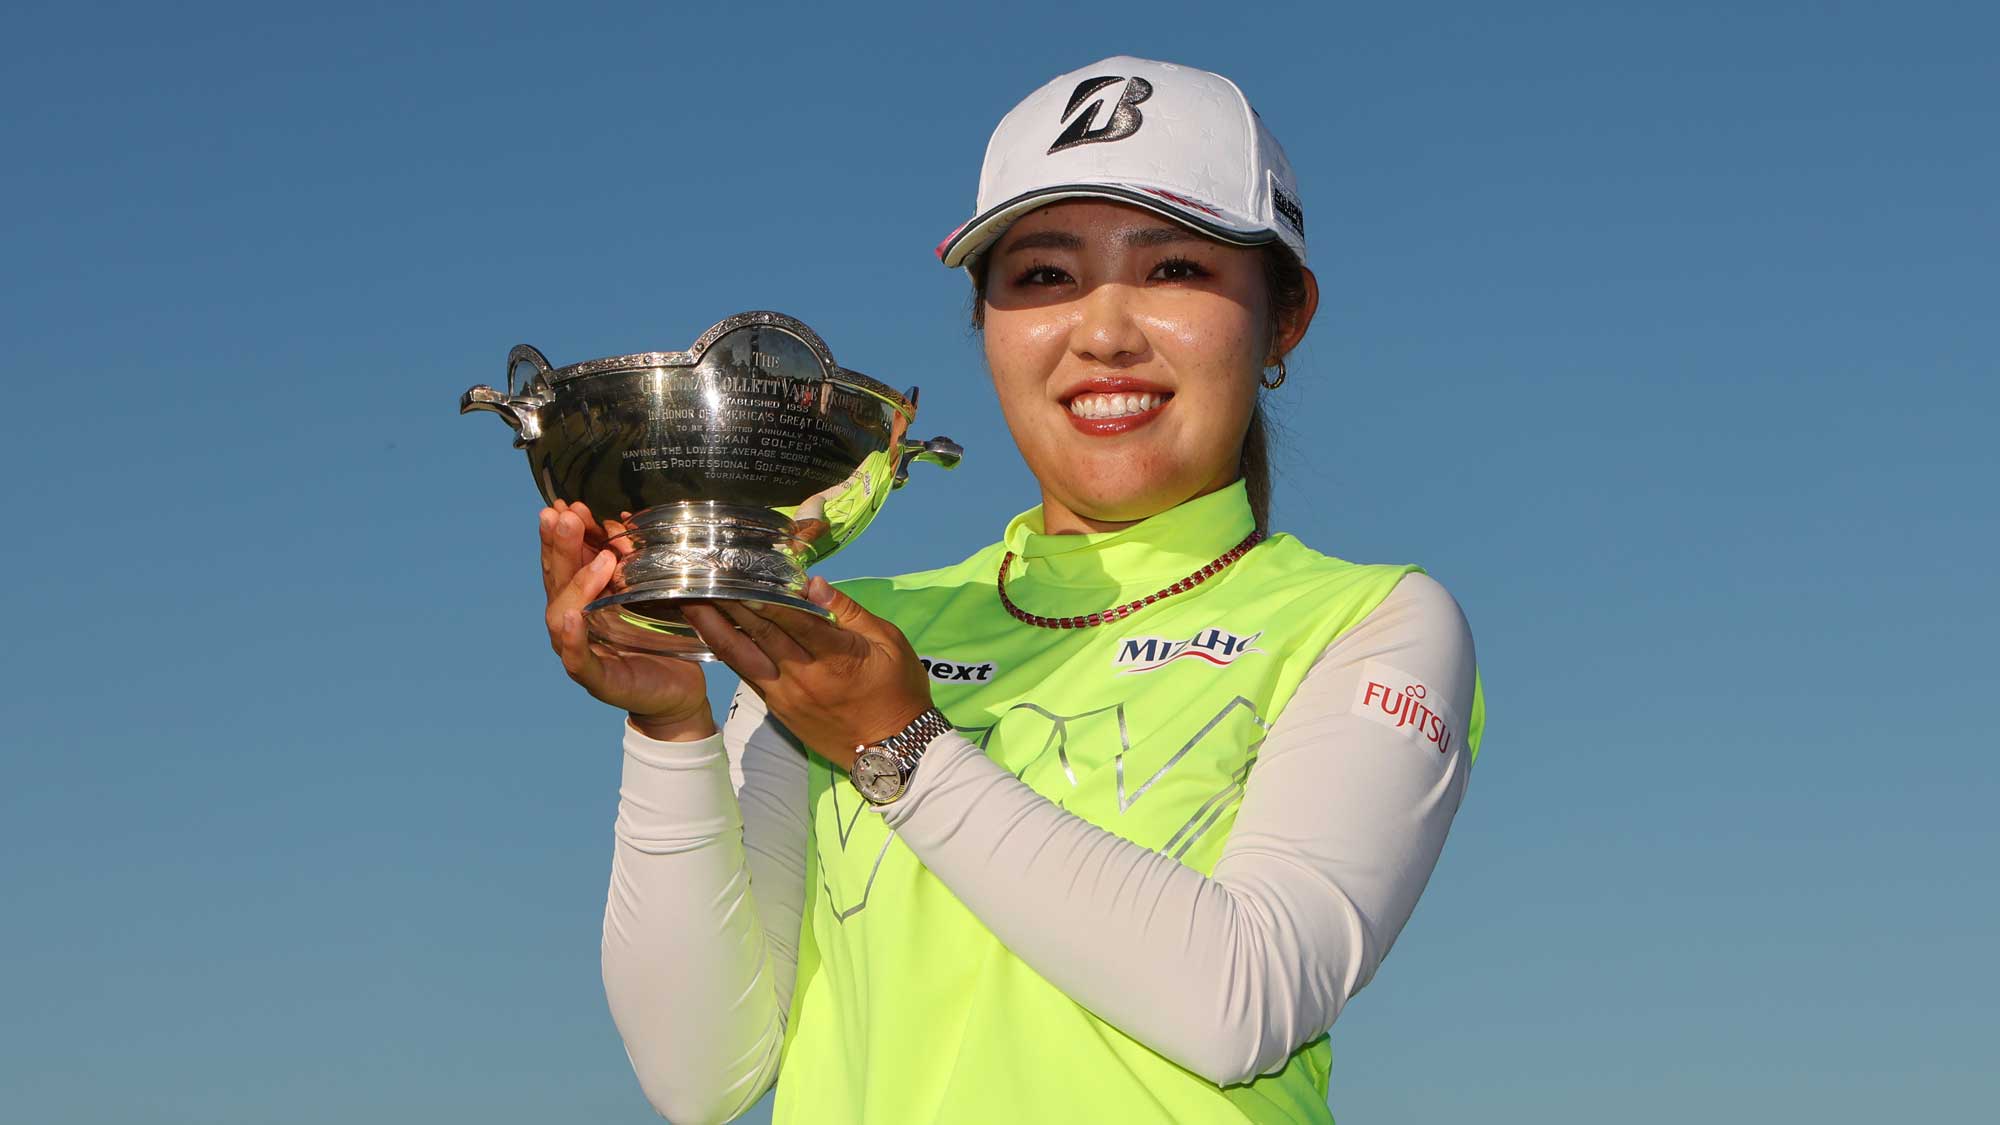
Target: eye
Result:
[1178, 269]
[1041, 274]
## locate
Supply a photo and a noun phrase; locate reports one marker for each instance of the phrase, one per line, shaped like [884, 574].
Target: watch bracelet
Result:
[907, 745]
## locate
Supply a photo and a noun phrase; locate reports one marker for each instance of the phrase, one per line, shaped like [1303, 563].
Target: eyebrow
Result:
[1064, 240]
[1160, 236]
[1044, 240]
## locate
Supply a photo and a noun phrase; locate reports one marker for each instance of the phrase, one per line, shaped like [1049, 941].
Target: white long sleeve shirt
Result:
[1341, 824]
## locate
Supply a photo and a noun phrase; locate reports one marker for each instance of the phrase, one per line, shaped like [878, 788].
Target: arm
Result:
[701, 922]
[1343, 818]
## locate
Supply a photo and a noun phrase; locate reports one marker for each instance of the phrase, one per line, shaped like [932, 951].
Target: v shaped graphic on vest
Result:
[843, 823]
[1079, 744]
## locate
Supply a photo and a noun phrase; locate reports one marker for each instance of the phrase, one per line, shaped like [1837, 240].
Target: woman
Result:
[1144, 794]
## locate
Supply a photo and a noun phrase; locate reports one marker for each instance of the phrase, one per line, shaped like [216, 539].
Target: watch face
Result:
[876, 776]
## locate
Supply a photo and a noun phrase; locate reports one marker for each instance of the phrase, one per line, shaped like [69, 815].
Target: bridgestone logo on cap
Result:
[1125, 118]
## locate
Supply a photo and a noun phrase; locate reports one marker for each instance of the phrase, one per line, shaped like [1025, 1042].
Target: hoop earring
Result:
[1268, 384]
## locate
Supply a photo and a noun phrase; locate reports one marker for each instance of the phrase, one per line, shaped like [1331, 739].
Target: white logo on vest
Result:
[1217, 646]
[959, 671]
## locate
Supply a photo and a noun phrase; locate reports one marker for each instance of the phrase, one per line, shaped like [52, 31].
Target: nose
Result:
[1106, 329]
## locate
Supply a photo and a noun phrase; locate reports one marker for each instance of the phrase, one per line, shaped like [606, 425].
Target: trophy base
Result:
[696, 551]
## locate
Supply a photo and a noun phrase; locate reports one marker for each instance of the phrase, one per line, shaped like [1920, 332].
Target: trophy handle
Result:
[526, 357]
[523, 415]
[528, 373]
[940, 451]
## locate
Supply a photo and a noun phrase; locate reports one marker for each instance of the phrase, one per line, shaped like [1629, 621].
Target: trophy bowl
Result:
[719, 472]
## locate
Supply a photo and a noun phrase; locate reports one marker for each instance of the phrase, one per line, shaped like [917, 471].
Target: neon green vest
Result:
[907, 1008]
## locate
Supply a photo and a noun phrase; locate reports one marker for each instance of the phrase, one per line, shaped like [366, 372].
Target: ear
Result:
[1293, 329]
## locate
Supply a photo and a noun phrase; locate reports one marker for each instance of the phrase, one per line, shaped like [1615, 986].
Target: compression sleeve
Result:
[1342, 821]
[701, 922]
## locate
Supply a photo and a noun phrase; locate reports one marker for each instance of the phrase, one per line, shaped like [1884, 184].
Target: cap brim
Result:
[986, 228]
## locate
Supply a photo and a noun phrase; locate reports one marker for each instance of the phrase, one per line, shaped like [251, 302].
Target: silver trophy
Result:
[723, 471]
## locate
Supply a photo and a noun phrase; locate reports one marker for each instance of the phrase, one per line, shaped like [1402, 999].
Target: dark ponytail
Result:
[1285, 281]
[1256, 467]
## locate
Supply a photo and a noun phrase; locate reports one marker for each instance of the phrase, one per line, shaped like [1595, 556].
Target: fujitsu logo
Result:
[1398, 700]
[1125, 119]
[1216, 646]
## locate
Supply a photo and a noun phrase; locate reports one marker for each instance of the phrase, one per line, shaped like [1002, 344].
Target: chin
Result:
[1118, 485]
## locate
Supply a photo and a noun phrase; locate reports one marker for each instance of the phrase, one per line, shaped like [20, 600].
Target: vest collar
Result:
[1157, 550]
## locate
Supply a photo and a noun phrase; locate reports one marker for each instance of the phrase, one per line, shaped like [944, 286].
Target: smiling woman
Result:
[1281, 303]
[1093, 304]
[1107, 821]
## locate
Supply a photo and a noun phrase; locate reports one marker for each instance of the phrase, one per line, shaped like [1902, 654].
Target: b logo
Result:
[1125, 119]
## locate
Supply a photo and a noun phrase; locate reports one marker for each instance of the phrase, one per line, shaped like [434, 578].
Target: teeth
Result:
[1113, 405]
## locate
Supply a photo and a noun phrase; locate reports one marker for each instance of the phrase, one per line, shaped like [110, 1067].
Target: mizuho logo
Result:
[1215, 646]
[1125, 119]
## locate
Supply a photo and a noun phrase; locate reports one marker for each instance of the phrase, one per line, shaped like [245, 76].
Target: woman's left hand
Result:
[836, 685]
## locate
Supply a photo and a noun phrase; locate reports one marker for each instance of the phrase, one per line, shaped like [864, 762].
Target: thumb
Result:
[847, 613]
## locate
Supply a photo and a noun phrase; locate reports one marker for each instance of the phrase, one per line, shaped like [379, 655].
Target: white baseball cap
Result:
[1172, 139]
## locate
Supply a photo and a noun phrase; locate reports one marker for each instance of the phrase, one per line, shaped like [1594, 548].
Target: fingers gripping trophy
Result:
[716, 474]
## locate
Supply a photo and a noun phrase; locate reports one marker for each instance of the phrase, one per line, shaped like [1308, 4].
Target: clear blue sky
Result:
[1663, 335]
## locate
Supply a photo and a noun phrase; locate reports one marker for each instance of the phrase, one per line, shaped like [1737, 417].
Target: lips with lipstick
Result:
[1114, 405]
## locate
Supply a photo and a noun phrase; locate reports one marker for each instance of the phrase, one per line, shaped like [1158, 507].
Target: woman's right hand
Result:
[667, 697]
